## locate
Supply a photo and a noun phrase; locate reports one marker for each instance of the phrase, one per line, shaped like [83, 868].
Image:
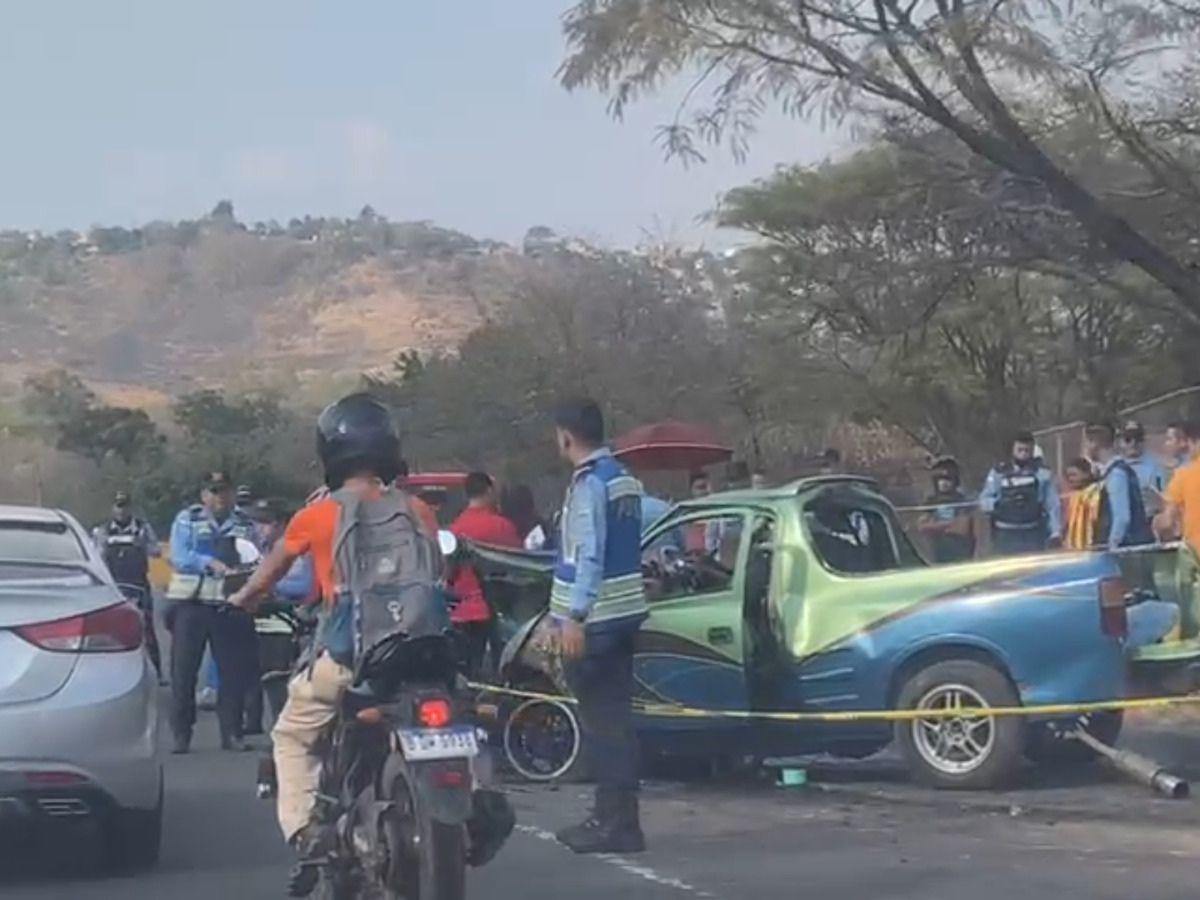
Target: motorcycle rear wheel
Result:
[434, 865]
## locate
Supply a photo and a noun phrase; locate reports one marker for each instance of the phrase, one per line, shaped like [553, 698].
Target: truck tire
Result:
[1045, 747]
[961, 753]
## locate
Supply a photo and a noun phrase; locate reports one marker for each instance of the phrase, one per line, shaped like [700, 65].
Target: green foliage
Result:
[110, 241]
[207, 415]
[78, 423]
[253, 438]
[100, 432]
[57, 396]
[952, 313]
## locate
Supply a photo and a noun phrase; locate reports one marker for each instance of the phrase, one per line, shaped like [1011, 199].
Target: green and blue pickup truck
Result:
[811, 598]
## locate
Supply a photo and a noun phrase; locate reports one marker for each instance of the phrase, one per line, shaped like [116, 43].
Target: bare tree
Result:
[990, 72]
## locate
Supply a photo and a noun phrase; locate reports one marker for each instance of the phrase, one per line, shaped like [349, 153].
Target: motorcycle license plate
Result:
[437, 743]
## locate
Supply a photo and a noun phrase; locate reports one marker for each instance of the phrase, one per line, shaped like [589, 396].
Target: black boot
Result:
[612, 828]
[182, 743]
[603, 808]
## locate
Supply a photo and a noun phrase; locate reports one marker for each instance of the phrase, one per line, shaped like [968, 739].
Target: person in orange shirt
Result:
[1180, 517]
[359, 449]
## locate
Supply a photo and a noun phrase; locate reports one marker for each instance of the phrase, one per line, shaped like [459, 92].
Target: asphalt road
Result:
[730, 841]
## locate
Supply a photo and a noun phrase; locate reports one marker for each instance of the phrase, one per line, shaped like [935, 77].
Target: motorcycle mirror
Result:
[447, 542]
[248, 554]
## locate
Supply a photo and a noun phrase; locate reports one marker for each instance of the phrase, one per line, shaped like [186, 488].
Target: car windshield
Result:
[39, 542]
[854, 533]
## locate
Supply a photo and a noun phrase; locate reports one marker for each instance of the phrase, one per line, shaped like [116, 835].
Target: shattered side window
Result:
[856, 537]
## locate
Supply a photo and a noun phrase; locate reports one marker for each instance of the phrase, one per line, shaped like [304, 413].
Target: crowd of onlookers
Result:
[1116, 494]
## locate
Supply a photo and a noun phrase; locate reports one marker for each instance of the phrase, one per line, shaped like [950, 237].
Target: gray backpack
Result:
[390, 568]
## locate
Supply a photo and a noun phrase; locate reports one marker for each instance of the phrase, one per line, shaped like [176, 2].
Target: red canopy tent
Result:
[671, 445]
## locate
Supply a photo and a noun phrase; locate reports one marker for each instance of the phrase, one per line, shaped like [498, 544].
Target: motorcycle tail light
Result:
[447, 777]
[1113, 620]
[433, 712]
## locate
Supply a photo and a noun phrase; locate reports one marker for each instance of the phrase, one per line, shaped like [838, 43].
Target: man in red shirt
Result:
[481, 523]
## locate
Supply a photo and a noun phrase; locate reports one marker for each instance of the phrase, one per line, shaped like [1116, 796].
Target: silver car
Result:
[78, 696]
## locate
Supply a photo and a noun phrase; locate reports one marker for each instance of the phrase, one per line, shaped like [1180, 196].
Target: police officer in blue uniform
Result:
[203, 551]
[598, 602]
[1021, 499]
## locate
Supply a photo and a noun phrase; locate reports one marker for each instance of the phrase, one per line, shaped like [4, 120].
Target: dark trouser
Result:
[252, 722]
[602, 681]
[472, 645]
[230, 632]
[274, 692]
[276, 655]
[1014, 541]
[144, 598]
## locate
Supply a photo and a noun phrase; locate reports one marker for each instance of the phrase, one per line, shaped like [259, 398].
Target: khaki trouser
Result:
[311, 707]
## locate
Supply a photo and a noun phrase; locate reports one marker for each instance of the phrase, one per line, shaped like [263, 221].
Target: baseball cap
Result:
[217, 481]
[263, 511]
[943, 463]
[1134, 430]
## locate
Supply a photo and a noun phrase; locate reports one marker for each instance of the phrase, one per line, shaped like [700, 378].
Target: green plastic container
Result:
[793, 777]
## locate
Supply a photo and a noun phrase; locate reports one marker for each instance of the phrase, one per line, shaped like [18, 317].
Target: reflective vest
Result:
[1139, 525]
[125, 552]
[622, 593]
[217, 541]
[1019, 501]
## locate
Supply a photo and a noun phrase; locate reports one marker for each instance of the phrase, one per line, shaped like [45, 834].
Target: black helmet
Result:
[357, 434]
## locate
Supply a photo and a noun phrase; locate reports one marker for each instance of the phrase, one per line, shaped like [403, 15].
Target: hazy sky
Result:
[123, 111]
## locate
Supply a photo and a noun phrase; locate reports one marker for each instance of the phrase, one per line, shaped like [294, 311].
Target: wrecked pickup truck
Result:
[811, 598]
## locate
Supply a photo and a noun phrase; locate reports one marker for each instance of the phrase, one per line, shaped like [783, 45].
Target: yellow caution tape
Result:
[879, 715]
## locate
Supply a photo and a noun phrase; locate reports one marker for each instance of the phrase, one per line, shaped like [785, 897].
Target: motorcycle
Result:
[404, 784]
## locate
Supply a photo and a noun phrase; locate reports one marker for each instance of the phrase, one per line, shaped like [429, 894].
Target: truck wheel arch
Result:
[943, 650]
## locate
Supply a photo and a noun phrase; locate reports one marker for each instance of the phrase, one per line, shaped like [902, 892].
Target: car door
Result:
[690, 651]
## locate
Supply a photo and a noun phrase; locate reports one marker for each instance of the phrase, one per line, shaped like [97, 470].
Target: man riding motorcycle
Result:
[359, 450]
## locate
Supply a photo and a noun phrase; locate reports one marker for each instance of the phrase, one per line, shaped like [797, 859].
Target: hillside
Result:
[178, 305]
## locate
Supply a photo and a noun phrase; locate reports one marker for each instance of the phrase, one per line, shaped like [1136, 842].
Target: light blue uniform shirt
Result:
[587, 513]
[1150, 472]
[195, 534]
[1116, 488]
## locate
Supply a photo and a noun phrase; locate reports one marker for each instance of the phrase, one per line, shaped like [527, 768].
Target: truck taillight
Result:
[1113, 621]
[108, 630]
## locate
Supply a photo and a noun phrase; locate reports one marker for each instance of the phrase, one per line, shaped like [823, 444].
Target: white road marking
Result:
[626, 866]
